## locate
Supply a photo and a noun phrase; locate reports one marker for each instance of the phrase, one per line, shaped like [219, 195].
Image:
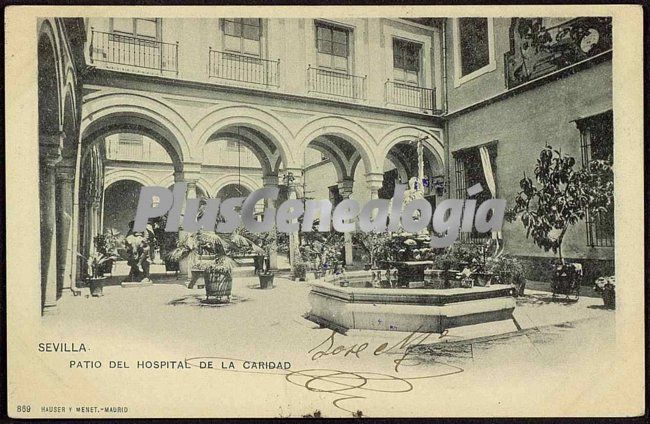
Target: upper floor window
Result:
[406, 61]
[333, 46]
[473, 48]
[148, 28]
[131, 138]
[242, 35]
[597, 143]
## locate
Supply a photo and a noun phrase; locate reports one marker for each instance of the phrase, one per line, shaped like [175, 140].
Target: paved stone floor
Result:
[556, 353]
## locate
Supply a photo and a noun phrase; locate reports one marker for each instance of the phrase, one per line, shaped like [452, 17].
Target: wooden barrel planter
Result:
[218, 284]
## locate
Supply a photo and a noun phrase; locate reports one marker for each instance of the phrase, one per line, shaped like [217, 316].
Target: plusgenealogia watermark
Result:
[377, 215]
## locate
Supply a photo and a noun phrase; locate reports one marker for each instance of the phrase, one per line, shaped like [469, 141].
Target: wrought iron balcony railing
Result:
[336, 83]
[402, 94]
[239, 67]
[536, 51]
[125, 52]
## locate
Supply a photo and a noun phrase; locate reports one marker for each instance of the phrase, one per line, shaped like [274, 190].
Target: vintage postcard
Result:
[430, 211]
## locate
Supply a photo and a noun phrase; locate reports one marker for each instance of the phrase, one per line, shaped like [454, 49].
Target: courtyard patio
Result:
[168, 321]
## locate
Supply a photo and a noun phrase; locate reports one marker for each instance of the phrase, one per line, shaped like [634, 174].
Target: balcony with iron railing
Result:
[338, 84]
[133, 54]
[402, 94]
[248, 69]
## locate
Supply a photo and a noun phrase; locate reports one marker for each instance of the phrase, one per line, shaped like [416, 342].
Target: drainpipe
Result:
[444, 64]
[445, 108]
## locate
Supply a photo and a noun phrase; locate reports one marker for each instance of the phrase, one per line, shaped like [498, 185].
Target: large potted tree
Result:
[560, 197]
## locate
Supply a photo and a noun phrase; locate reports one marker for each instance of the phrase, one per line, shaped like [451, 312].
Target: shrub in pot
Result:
[300, 271]
[218, 279]
[560, 198]
[606, 286]
[106, 245]
[508, 270]
[95, 279]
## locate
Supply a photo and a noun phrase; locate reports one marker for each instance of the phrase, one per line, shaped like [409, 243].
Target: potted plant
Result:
[218, 279]
[374, 245]
[197, 248]
[105, 247]
[561, 198]
[95, 279]
[508, 270]
[300, 271]
[262, 249]
[607, 288]
[166, 242]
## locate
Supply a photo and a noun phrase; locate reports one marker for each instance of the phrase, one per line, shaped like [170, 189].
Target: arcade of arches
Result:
[95, 156]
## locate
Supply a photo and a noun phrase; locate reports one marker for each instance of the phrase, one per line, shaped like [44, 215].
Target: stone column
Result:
[190, 175]
[345, 190]
[65, 194]
[375, 182]
[50, 156]
[271, 181]
[292, 179]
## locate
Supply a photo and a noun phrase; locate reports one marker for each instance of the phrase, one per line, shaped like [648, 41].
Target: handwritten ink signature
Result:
[407, 345]
[348, 385]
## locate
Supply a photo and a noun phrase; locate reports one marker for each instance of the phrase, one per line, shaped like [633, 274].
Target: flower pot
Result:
[96, 286]
[172, 266]
[266, 280]
[609, 298]
[217, 285]
[566, 279]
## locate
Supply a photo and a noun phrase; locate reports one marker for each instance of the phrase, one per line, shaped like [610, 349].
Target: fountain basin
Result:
[421, 310]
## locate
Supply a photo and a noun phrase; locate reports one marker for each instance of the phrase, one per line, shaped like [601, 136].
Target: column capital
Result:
[186, 177]
[65, 169]
[52, 140]
[345, 187]
[270, 180]
[375, 180]
[50, 154]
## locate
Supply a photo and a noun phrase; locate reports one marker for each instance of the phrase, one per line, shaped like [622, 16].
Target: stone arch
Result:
[107, 114]
[141, 177]
[399, 165]
[228, 117]
[202, 184]
[335, 156]
[69, 125]
[50, 120]
[407, 133]
[346, 129]
[245, 181]
[257, 146]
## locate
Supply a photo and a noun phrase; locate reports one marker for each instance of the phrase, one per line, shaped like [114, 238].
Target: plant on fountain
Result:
[377, 246]
[561, 198]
